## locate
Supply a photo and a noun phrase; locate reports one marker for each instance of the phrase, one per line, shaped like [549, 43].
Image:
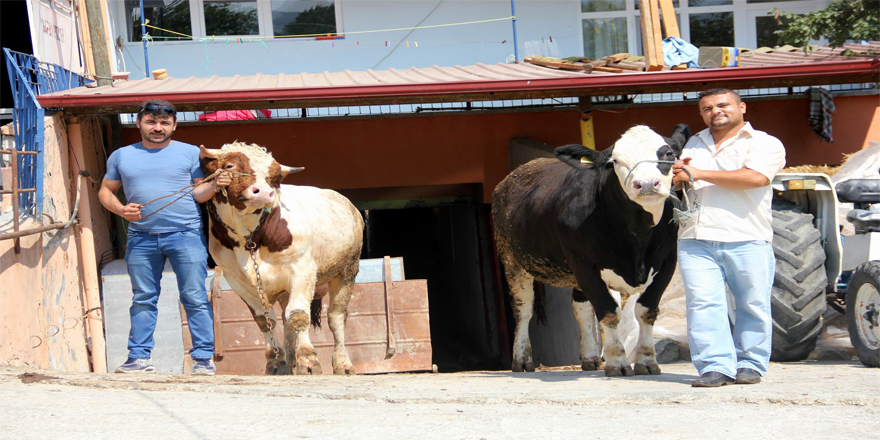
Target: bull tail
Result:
[316, 313]
[540, 308]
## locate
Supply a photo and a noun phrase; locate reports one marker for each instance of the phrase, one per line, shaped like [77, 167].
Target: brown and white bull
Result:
[302, 237]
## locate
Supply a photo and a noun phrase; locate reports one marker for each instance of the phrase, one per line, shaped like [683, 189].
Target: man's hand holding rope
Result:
[683, 172]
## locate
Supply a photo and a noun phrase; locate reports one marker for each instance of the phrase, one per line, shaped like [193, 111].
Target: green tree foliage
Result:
[842, 20]
[320, 19]
[174, 16]
[222, 19]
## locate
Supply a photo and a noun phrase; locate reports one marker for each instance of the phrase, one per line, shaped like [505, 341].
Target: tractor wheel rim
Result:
[867, 309]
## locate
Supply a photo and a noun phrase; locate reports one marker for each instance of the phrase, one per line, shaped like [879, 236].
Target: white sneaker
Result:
[137, 366]
[203, 367]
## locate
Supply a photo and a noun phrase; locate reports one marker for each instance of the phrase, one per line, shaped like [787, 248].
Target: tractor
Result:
[817, 267]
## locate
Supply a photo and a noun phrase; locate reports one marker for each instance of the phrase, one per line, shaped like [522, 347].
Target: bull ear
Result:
[208, 153]
[680, 135]
[579, 156]
[285, 170]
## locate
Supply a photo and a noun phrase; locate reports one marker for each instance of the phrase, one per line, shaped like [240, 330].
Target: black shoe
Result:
[747, 376]
[712, 379]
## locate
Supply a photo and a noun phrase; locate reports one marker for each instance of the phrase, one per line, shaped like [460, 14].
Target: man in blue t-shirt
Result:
[155, 167]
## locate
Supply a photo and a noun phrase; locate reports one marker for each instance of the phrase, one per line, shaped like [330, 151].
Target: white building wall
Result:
[444, 46]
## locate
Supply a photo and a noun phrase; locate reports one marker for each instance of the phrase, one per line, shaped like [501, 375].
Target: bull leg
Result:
[289, 362]
[646, 361]
[591, 354]
[274, 366]
[298, 320]
[523, 291]
[608, 312]
[337, 313]
[616, 363]
[647, 309]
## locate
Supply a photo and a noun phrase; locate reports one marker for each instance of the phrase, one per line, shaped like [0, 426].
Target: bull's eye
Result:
[229, 166]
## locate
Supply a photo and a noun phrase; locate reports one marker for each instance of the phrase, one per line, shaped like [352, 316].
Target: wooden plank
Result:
[670, 24]
[608, 69]
[557, 65]
[658, 33]
[648, 48]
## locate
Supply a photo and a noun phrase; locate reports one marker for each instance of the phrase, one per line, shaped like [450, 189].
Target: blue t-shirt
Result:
[147, 174]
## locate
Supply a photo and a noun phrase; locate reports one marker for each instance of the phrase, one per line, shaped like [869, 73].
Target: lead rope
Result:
[679, 215]
[192, 188]
[683, 215]
[270, 323]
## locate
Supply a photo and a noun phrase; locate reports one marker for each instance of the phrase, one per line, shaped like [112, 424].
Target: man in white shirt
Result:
[728, 241]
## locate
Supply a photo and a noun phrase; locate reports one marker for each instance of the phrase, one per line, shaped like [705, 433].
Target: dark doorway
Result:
[451, 247]
[15, 34]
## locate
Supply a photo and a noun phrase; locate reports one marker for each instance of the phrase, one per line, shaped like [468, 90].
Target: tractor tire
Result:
[798, 300]
[863, 312]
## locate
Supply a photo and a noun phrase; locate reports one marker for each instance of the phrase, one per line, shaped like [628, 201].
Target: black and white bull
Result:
[302, 237]
[591, 221]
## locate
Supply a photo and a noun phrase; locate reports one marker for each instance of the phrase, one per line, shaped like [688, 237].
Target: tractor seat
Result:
[862, 191]
[865, 220]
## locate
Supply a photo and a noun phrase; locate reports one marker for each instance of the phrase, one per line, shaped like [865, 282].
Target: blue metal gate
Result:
[28, 78]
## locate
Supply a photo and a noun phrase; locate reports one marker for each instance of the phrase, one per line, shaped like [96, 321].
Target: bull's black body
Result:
[565, 221]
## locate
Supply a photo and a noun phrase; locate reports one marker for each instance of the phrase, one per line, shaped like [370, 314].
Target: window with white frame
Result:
[232, 18]
[612, 26]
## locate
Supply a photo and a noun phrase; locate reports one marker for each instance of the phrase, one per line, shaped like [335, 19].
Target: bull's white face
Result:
[256, 175]
[260, 193]
[643, 179]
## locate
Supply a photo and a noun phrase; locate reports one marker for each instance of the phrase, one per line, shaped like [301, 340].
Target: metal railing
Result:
[28, 78]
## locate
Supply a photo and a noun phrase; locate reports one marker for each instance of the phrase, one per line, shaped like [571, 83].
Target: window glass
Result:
[674, 4]
[639, 48]
[166, 14]
[602, 5]
[769, 1]
[765, 26]
[303, 17]
[231, 17]
[712, 29]
[698, 3]
[604, 36]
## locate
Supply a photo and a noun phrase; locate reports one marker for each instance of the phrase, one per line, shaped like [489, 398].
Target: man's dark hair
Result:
[158, 108]
[719, 91]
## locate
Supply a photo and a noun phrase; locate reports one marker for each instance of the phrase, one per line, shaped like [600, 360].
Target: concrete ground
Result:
[813, 399]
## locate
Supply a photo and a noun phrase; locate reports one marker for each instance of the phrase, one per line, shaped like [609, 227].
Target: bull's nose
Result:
[647, 186]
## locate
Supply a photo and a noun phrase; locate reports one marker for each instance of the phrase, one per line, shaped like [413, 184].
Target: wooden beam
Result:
[86, 36]
[658, 33]
[103, 72]
[670, 24]
[648, 40]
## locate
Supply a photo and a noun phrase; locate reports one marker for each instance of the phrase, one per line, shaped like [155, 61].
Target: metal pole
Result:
[515, 46]
[144, 40]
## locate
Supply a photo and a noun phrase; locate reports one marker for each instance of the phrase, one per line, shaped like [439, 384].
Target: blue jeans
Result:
[187, 252]
[747, 267]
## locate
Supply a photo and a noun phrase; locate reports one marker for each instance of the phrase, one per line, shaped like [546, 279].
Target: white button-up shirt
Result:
[731, 215]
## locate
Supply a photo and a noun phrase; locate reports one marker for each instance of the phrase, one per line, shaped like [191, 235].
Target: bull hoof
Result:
[618, 370]
[277, 369]
[527, 366]
[648, 368]
[303, 368]
[591, 364]
[344, 370]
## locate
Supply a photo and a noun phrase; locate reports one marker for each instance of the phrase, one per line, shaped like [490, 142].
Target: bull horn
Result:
[285, 170]
[209, 152]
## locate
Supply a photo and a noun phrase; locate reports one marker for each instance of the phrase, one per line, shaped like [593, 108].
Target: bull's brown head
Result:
[256, 176]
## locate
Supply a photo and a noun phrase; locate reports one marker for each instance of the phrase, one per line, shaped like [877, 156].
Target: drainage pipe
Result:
[95, 315]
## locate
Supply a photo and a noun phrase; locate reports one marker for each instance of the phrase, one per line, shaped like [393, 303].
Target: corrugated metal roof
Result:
[762, 68]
